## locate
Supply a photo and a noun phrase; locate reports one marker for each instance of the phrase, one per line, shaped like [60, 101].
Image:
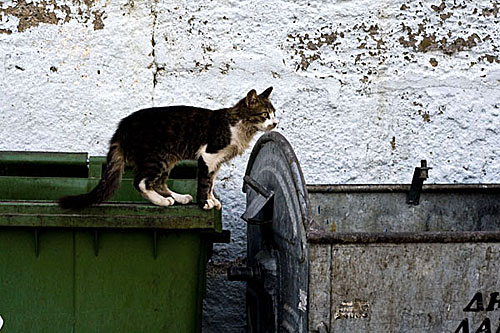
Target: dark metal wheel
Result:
[278, 216]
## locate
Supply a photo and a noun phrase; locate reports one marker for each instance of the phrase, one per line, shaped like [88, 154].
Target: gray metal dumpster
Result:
[367, 258]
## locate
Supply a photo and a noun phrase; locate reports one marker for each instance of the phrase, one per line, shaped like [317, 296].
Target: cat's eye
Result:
[265, 114]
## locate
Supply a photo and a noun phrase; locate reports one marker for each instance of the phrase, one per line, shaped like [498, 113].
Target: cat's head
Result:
[257, 110]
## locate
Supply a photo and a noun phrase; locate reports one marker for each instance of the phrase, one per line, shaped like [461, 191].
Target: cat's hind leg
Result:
[162, 188]
[145, 181]
[180, 198]
[150, 194]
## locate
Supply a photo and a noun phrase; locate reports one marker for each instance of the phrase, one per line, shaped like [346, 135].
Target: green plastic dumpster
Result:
[123, 266]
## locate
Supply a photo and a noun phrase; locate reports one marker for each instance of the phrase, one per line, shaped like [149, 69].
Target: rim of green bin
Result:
[121, 214]
[126, 215]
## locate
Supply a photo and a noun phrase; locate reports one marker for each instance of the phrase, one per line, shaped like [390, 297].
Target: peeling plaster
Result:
[308, 47]
[364, 49]
[450, 27]
[98, 17]
[32, 14]
[431, 42]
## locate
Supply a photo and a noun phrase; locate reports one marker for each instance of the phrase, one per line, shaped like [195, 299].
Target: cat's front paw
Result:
[212, 203]
[217, 204]
[209, 204]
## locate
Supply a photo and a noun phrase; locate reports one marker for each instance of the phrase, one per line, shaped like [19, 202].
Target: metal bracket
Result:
[260, 210]
[419, 175]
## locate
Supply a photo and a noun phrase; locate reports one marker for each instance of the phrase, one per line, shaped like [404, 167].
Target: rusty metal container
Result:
[367, 258]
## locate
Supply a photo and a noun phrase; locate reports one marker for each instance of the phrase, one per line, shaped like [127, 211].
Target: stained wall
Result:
[364, 89]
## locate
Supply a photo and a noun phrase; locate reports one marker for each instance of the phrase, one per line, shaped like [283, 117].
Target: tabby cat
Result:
[153, 140]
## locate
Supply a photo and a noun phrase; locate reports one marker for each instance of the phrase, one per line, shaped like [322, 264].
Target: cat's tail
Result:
[108, 184]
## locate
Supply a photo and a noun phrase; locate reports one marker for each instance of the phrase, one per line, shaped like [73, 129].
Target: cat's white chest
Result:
[238, 144]
[239, 140]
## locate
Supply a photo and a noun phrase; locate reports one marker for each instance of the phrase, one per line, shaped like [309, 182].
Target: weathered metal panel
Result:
[407, 268]
[320, 284]
[321, 237]
[414, 287]
[453, 209]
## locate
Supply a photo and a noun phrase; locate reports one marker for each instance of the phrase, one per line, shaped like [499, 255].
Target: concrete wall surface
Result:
[363, 89]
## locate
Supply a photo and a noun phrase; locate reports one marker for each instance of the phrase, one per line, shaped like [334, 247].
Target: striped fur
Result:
[153, 140]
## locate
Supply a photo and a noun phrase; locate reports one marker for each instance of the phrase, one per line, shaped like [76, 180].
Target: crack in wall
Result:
[154, 64]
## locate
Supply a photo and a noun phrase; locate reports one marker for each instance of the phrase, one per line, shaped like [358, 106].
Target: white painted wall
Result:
[364, 89]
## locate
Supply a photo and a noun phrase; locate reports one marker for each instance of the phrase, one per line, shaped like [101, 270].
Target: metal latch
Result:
[419, 175]
[260, 210]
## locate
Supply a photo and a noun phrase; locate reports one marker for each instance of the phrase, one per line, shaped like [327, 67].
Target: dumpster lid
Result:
[127, 215]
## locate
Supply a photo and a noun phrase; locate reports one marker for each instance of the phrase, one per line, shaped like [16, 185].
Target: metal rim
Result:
[374, 188]
[403, 237]
[297, 175]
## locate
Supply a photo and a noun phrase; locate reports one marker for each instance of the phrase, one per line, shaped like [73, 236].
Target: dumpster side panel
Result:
[381, 212]
[109, 283]
[319, 287]
[126, 289]
[36, 292]
[414, 287]
[126, 266]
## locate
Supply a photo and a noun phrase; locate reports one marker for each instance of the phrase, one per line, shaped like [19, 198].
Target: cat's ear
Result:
[266, 93]
[251, 98]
